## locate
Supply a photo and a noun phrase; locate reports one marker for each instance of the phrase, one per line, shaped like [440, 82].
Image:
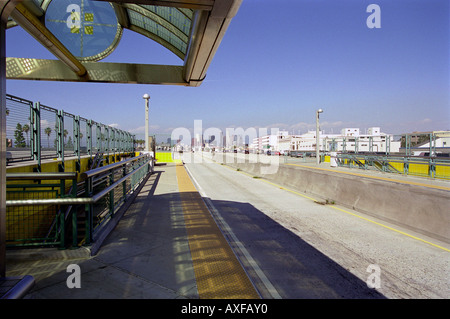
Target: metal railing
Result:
[103, 191]
[429, 166]
[42, 222]
[35, 131]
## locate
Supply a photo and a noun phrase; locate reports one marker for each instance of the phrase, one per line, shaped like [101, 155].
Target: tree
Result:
[69, 144]
[48, 131]
[26, 129]
[18, 136]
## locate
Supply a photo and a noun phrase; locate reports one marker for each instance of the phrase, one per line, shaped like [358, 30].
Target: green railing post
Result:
[124, 187]
[62, 234]
[89, 137]
[74, 228]
[74, 215]
[76, 136]
[111, 194]
[35, 118]
[88, 215]
[406, 165]
[88, 212]
[120, 142]
[99, 137]
[432, 168]
[62, 188]
[407, 145]
[60, 138]
[388, 144]
[113, 142]
[107, 138]
[74, 188]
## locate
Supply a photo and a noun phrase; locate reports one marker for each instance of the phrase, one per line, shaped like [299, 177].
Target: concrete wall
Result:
[419, 208]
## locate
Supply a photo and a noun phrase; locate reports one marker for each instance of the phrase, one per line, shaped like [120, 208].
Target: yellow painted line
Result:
[390, 228]
[353, 214]
[374, 177]
[218, 272]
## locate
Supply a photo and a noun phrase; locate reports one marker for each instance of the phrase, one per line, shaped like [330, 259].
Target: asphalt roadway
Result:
[308, 250]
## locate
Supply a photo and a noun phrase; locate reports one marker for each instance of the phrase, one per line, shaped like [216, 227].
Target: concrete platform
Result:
[147, 256]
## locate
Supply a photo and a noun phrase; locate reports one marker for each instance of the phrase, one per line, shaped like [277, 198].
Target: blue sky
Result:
[278, 62]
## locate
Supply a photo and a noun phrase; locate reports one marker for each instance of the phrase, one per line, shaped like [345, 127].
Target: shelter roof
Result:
[80, 33]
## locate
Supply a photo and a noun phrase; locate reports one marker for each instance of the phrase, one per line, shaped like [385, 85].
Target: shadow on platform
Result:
[147, 256]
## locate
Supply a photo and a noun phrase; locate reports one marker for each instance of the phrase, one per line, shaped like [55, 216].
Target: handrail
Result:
[80, 200]
[50, 201]
[41, 176]
[431, 166]
[105, 191]
[97, 171]
[398, 156]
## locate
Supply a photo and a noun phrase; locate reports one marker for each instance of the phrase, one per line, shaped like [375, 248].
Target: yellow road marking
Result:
[217, 270]
[390, 228]
[374, 177]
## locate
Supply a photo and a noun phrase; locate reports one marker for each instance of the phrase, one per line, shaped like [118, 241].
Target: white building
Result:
[374, 141]
[350, 140]
[439, 144]
[306, 142]
[278, 142]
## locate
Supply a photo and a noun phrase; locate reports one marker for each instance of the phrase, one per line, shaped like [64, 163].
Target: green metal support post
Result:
[62, 234]
[99, 137]
[76, 135]
[106, 134]
[35, 118]
[88, 212]
[74, 229]
[111, 194]
[124, 187]
[60, 138]
[89, 137]
[113, 142]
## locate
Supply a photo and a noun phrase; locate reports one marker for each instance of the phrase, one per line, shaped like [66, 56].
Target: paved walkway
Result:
[146, 256]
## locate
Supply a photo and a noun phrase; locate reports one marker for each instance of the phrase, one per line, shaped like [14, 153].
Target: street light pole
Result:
[317, 136]
[146, 98]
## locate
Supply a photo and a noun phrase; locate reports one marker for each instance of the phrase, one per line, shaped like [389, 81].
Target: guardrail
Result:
[433, 167]
[101, 198]
[35, 132]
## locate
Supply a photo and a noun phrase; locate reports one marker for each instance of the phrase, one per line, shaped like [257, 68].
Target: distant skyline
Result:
[278, 63]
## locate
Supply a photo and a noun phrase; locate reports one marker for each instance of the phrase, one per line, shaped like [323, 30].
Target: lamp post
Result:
[317, 136]
[146, 98]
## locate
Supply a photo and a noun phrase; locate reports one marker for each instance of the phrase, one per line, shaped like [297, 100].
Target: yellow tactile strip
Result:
[218, 273]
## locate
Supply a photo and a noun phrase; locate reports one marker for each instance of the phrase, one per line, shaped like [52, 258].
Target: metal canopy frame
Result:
[208, 24]
[191, 29]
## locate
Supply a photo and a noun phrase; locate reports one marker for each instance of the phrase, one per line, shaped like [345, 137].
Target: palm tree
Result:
[26, 129]
[48, 131]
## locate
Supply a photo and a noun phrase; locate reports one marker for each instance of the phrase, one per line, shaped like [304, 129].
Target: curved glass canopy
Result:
[88, 29]
[82, 32]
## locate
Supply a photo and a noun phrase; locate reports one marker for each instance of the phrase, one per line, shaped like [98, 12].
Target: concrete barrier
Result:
[422, 209]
